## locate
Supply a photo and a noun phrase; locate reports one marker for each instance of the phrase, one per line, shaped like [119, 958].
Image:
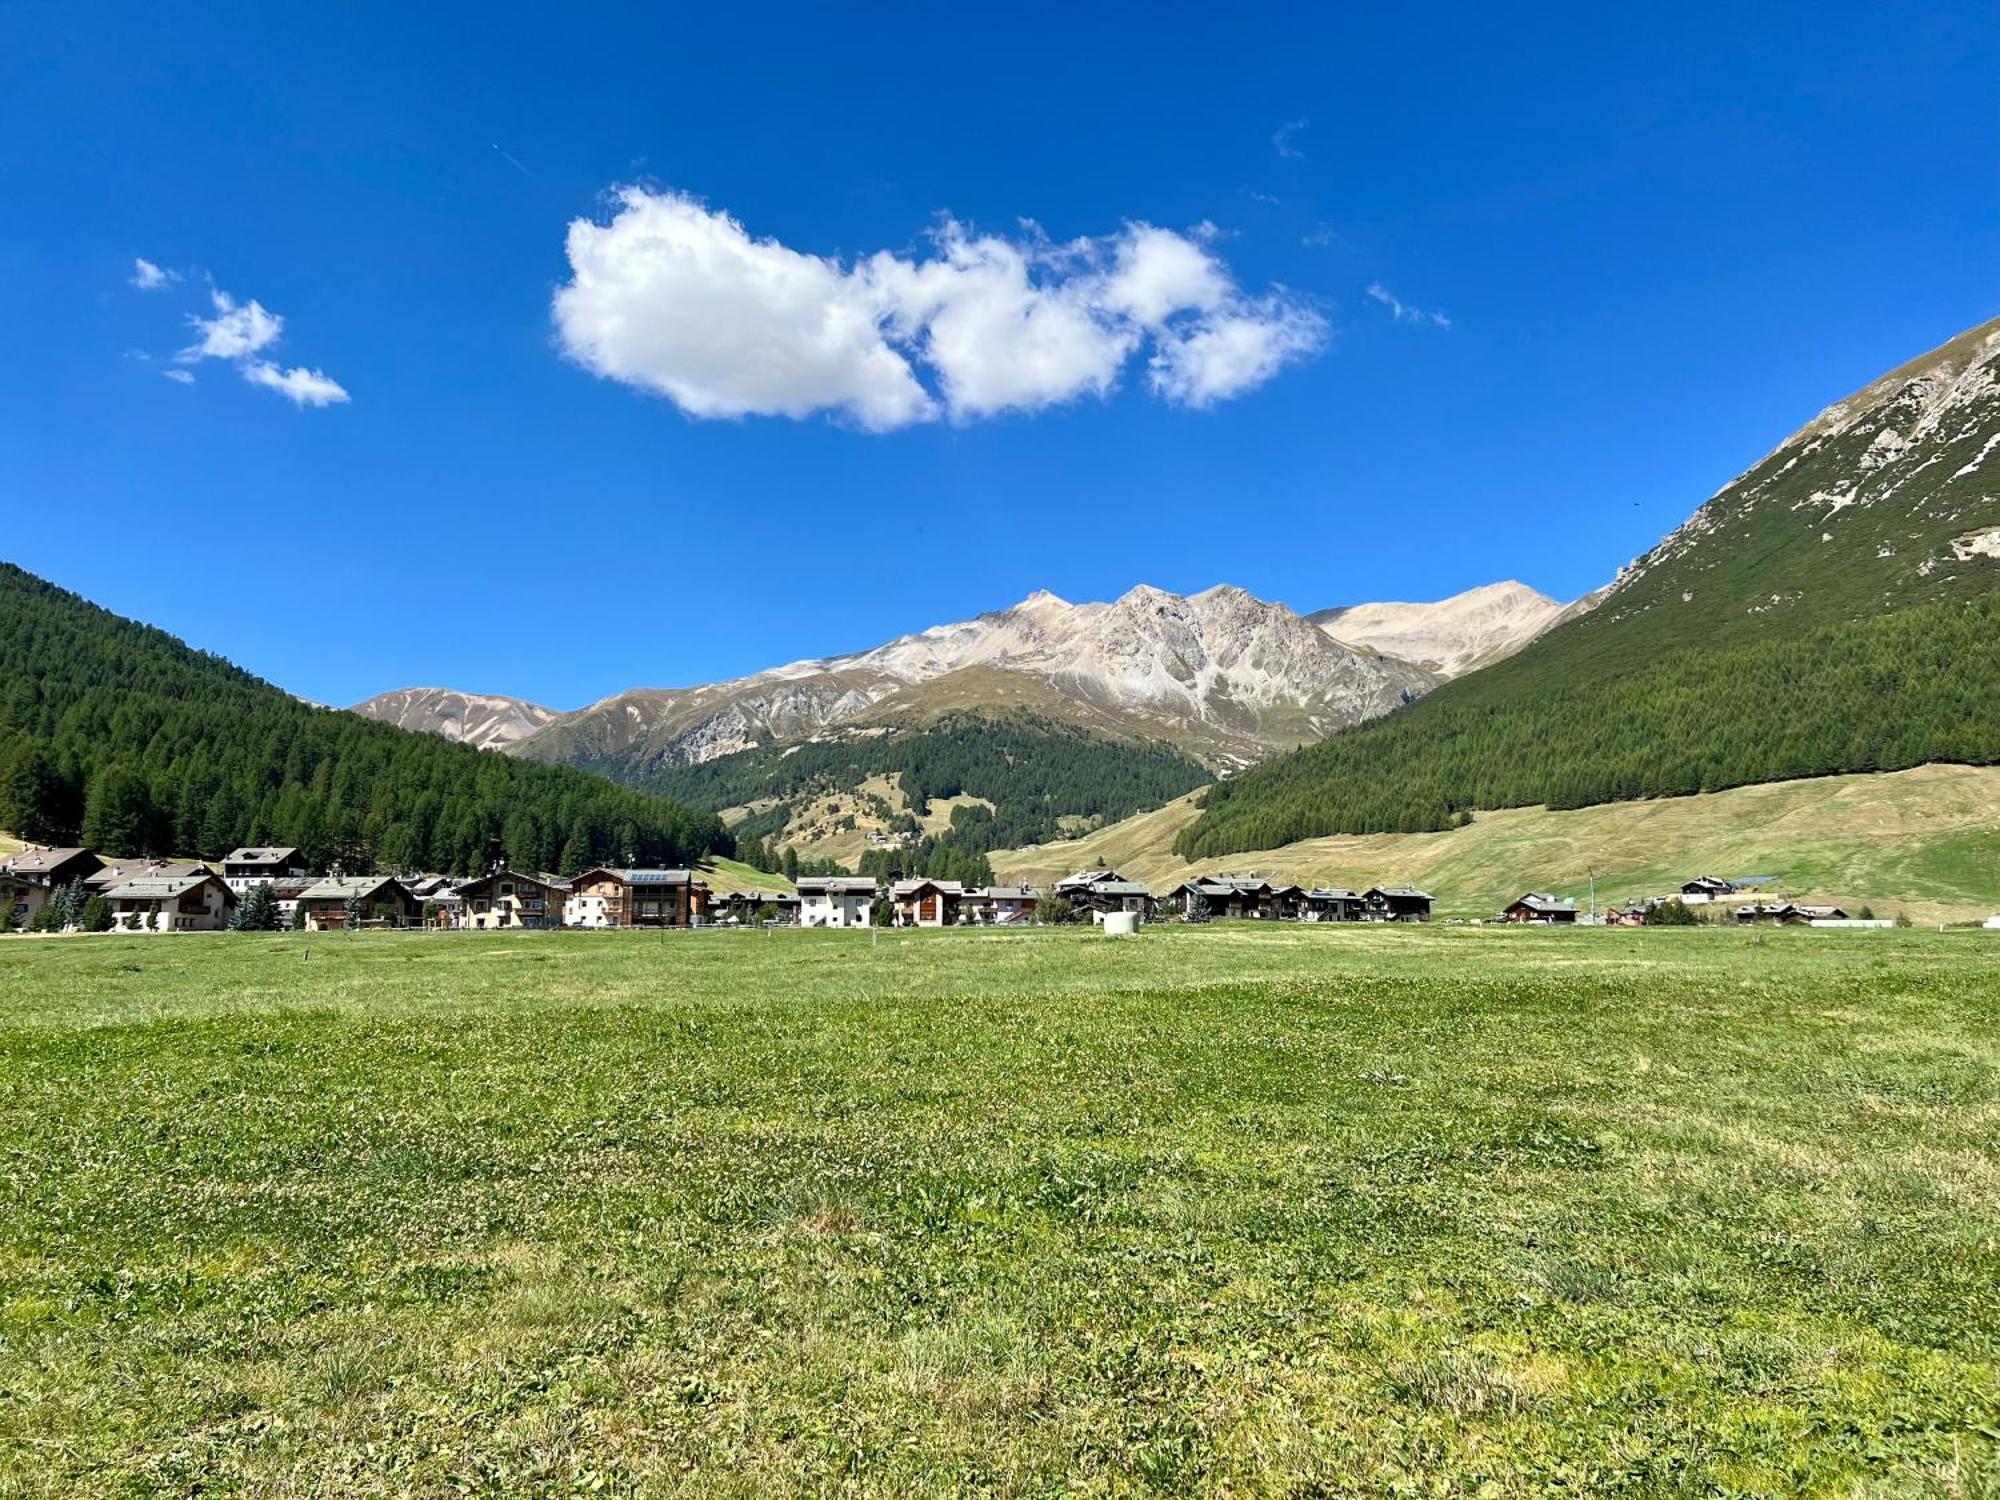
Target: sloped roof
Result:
[836, 885]
[261, 855]
[645, 877]
[1332, 893]
[944, 887]
[41, 861]
[1409, 891]
[1543, 901]
[339, 888]
[161, 887]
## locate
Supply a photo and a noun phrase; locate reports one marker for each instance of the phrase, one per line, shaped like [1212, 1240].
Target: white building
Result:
[835, 900]
[267, 865]
[173, 903]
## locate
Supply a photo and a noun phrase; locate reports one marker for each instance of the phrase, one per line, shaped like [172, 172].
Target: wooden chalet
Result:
[376, 901]
[1001, 905]
[1333, 904]
[507, 899]
[1786, 914]
[1543, 908]
[1706, 888]
[927, 903]
[171, 903]
[1396, 903]
[605, 897]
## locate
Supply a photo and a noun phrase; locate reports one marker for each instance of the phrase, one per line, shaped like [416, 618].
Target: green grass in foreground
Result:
[1247, 1209]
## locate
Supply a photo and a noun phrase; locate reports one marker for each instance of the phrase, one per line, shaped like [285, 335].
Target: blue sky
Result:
[1631, 251]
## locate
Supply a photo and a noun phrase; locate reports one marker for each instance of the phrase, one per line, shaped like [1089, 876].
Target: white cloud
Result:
[1402, 311]
[1225, 356]
[675, 298]
[1285, 134]
[179, 377]
[148, 277]
[302, 387]
[235, 331]
[239, 332]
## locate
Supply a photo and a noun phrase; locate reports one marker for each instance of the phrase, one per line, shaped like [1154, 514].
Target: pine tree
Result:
[97, 915]
[257, 911]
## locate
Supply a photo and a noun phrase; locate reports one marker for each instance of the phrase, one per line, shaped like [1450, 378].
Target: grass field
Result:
[1925, 842]
[1244, 1209]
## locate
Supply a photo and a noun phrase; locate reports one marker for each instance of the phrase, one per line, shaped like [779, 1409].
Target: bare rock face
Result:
[485, 721]
[1225, 675]
[1456, 635]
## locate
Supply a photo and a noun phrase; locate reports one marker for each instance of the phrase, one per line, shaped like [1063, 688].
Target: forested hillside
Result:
[1831, 610]
[1034, 770]
[122, 737]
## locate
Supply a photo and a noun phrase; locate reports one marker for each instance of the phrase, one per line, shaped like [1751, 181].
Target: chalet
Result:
[1002, 905]
[371, 900]
[285, 895]
[264, 865]
[1541, 907]
[1396, 903]
[1786, 914]
[507, 899]
[52, 867]
[1633, 915]
[1105, 896]
[836, 900]
[927, 903]
[1333, 904]
[636, 898]
[746, 906]
[1071, 887]
[171, 903]
[1285, 903]
[1219, 896]
[1705, 888]
[23, 898]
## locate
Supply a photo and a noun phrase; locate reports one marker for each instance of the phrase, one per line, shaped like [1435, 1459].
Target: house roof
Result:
[836, 885]
[526, 877]
[144, 869]
[340, 887]
[1332, 893]
[160, 887]
[1121, 888]
[1087, 877]
[261, 855]
[1543, 901]
[42, 861]
[944, 887]
[643, 877]
[1408, 891]
[1005, 893]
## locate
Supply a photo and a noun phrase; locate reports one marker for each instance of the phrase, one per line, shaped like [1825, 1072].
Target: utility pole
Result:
[1593, 895]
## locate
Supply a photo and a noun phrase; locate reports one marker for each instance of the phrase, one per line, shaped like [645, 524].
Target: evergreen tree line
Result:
[1035, 771]
[1879, 694]
[117, 735]
[931, 858]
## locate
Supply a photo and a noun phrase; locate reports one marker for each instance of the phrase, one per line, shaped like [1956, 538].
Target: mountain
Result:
[483, 721]
[121, 736]
[1834, 608]
[1452, 636]
[1224, 676]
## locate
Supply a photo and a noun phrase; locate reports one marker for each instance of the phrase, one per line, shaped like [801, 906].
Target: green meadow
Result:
[1239, 1209]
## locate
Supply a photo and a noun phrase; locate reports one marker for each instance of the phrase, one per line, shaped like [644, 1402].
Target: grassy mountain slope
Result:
[1925, 841]
[120, 735]
[1831, 610]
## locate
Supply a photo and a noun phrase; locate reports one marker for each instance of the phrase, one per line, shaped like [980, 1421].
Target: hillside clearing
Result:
[1925, 841]
[1250, 1209]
